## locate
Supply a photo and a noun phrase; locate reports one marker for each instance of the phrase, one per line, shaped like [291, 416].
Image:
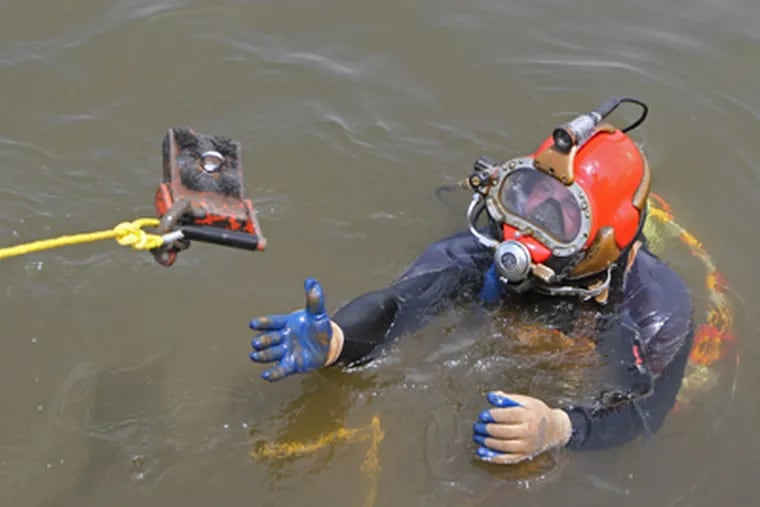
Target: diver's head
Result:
[562, 218]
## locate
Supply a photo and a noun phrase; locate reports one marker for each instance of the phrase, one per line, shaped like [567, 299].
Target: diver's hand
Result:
[300, 341]
[520, 428]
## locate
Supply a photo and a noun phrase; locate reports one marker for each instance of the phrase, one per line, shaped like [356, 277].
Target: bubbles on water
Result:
[34, 267]
[492, 364]
[138, 465]
[413, 386]
[50, 464]
[453, 363]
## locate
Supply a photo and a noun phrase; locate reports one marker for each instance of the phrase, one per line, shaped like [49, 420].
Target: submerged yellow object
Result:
[371, 466]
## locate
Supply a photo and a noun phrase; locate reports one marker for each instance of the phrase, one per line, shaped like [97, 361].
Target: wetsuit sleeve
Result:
[648, 359]
[448, 270]
[602, 427]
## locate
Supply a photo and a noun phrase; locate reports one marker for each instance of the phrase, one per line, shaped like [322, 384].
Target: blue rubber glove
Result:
[298, 342]
[480, 431]
[519, 428]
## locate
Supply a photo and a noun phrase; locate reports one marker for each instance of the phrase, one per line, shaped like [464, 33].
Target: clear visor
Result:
[542, 201]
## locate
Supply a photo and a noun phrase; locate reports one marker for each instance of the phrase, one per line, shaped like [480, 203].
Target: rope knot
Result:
[131, 234]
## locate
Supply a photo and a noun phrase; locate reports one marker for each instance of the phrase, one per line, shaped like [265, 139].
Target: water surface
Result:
[126, 382]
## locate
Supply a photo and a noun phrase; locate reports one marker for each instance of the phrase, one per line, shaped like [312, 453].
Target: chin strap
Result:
[597, 290]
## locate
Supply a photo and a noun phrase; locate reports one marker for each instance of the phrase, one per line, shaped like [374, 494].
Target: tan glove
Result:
[521, 428]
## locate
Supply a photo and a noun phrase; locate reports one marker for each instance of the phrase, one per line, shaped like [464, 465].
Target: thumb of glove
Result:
[315, 297]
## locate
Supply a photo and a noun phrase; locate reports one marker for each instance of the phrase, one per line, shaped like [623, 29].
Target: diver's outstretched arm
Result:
[308, 339]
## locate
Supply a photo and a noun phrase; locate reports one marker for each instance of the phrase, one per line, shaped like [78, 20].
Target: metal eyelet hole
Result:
[211, 161]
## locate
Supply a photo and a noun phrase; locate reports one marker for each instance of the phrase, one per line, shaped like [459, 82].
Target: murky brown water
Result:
[125, 383]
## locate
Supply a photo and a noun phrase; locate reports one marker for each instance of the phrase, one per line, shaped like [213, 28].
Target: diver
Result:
[562, 237]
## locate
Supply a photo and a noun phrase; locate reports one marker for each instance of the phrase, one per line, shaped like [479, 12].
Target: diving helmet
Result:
[561, 218]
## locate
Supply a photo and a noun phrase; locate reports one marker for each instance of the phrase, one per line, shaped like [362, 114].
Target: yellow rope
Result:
[125, 233]
[371, 466]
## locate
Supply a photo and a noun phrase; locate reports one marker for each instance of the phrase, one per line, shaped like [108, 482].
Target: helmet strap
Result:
[598, 290]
